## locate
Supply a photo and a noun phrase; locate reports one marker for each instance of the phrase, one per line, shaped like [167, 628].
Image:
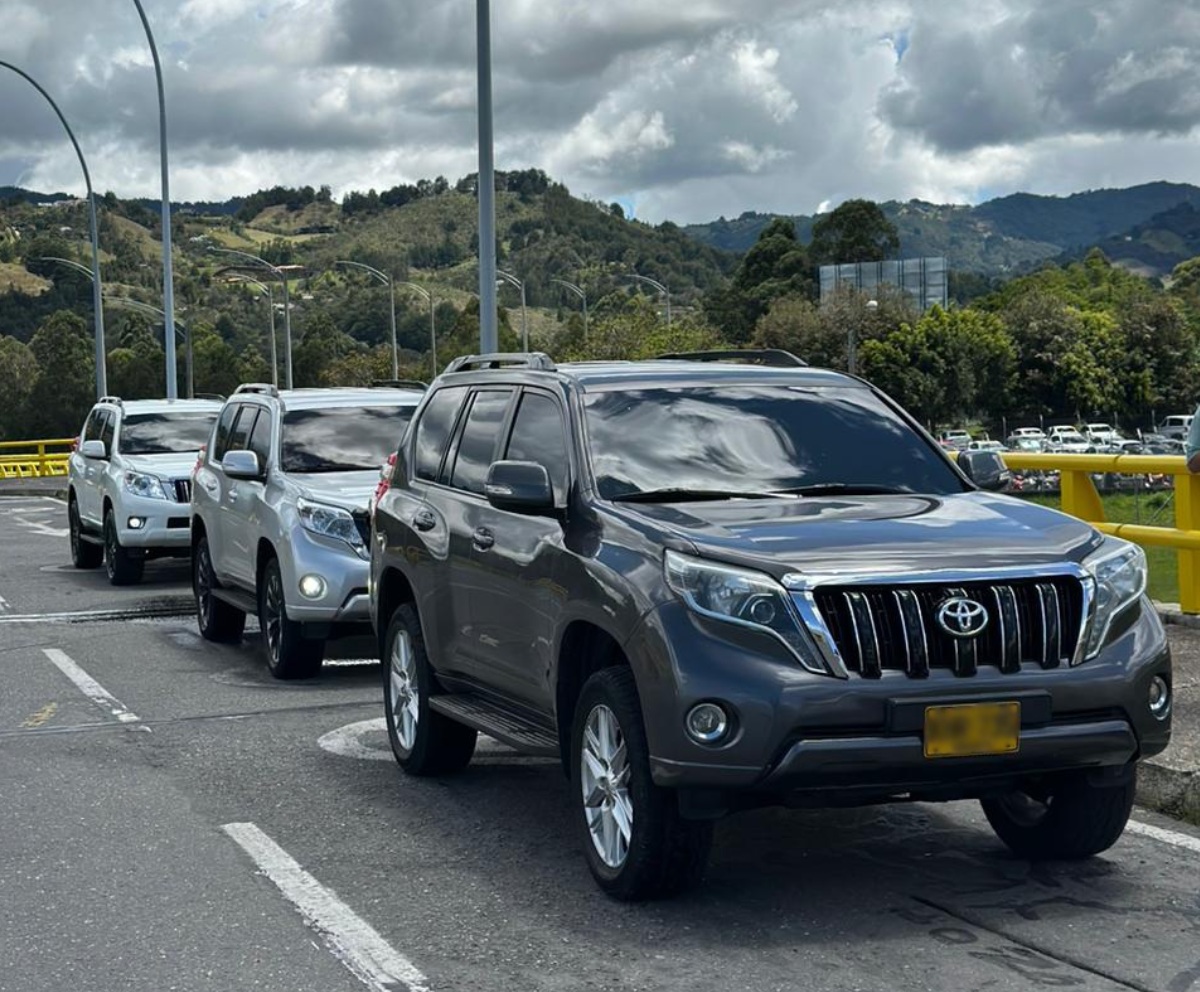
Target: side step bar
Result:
[235, 597]
[507, 727]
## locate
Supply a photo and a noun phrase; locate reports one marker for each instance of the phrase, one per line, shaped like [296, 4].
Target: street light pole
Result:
[264, 287]
[512, 280]
[488, 334]
[287, 306]
[168, 275]
[388, 281]
[657, 285]
[97, 302]
[578, 291]
[432, 323]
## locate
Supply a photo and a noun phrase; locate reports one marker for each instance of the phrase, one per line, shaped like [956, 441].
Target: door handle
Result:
[423, 520]
[483, 538]
[233, 492]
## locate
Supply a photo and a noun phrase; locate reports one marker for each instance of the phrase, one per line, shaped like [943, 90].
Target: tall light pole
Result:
[387, 280]
[578, 291]
[432, 322]
[657, 285]
[488, 334]
[265, 288]
[279, 274]
[168, 274]
[512, 280]
[97, 303]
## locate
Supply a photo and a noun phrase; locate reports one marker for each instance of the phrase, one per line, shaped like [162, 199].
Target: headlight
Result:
[741, 596]
[330, 521]
[146, 486]
[1119, 569]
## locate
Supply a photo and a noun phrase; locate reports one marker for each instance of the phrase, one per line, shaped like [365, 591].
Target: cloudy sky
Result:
[683, 109]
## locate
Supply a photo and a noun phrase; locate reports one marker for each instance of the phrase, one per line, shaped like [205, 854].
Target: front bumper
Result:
[799, 732]
[343, 573]
[165, 525]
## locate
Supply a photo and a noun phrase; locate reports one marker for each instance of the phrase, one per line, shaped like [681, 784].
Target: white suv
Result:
[129, 485]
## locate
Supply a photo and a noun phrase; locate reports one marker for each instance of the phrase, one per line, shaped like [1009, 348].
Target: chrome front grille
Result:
[183, 490]
[882, 627]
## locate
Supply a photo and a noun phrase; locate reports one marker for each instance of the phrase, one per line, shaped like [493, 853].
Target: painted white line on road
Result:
[91, 688]
[353, 941]
[4, 607]
[1186, 841]
[347, 742]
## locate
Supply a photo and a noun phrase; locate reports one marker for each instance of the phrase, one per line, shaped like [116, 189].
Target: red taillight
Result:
[385, 480]
[199, 459]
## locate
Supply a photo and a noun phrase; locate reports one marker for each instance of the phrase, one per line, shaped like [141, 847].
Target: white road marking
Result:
[4, 607]
[347, 742]
[91, 688]
[353, 941]
[1186, 841]
[45, 530]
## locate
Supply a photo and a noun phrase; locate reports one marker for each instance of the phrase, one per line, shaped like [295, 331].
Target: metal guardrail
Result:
[35, 459]
[1080, 499]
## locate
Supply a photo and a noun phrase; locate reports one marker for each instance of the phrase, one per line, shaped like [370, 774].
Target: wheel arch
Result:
[393, 591]
[584, 649]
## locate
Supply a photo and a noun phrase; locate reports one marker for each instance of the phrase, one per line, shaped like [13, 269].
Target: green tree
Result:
[18, 372]
[856, 231]
[64, 389]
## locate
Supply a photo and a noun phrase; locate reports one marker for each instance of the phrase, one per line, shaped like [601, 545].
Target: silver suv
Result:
[129, 485]
[280, 524]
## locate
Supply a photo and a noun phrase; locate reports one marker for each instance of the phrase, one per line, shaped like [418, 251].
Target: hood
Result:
[177, 465]
[349, 490]
[877, 533]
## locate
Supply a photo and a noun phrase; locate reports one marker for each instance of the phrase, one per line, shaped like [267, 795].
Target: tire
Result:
[636, 843]
[218, 621]
[122, 568]
[424, 741]
[290, 655]
[84, 554]
[1068, 822]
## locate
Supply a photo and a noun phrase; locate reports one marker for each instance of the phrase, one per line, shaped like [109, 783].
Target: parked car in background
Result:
[129, 485]
[1027, 445]
[1067, 439]
[985, 445]
[955, 439]
[1176, 426]
[280, 523]
[1101, 433]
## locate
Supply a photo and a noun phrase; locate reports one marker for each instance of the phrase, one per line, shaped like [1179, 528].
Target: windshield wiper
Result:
[844, 489]
[682, 495]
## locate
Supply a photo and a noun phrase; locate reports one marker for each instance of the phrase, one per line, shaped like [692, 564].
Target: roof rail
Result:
[774, 357]
[219, 397]
[114, 400]
[516, 359]
[264, 388]
[400, 384]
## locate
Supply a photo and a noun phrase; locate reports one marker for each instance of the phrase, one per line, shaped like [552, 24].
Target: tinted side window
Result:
[260, 438]
[240, 435]
[434, 429]
[537, 436]
[480, 437]
[224, 425]
[107, 429]
[91, 430]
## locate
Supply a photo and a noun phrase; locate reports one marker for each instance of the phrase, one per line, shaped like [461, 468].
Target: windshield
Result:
[756, 438]
[341, 439]
[165, 433]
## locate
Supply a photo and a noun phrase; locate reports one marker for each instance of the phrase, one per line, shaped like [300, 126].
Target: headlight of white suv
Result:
[330, 521]
[1119, 569]
[741, 596]
[146, 486]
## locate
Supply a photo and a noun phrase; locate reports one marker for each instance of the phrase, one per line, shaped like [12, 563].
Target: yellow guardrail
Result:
[34, 459]
[1080, 499]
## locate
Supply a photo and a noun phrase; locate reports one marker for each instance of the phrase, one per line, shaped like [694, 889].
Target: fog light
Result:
[1160, 698]
[312, 586]
[707, 723]
[137, 523]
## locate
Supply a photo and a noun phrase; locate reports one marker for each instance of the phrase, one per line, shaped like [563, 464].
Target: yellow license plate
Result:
[971, 729]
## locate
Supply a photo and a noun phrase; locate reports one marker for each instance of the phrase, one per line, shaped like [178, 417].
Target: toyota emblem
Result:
[962, 617]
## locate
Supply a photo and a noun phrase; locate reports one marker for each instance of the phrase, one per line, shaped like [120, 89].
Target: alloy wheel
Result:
[272, 619]
[607, 801]
[110, 549]
[73, 527]
[404, 693]
[204, 583]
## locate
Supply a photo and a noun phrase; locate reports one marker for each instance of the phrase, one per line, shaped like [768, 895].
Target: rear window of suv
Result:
[756, 438]
[341, 439]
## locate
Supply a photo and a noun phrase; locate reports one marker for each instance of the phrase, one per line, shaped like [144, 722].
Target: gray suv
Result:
[279, 515]
[706, 586]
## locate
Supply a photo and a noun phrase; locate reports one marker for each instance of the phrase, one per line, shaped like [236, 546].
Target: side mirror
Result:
[241, 465]
[519, 487]
[94, 449]
[986, 469]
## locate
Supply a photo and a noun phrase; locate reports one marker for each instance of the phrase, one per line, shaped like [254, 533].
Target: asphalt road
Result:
[173, 818]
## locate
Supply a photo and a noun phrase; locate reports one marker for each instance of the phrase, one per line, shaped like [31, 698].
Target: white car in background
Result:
[1068, 440]
[1102, 434]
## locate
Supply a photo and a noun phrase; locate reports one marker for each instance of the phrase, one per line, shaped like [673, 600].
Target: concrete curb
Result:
[50, 489]
[1171, 613]
[1174, 791]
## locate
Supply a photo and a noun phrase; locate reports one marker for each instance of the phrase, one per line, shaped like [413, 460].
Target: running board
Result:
[507, 727]
[235, 597]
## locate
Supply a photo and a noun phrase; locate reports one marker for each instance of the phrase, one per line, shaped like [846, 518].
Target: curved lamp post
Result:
[512, 280]
[488, 331]
[657, 285]
[168, 274]
[432, 322]
[263, 287]
[578, 291]
[97, 303]
[387, 280]
[287, 306]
